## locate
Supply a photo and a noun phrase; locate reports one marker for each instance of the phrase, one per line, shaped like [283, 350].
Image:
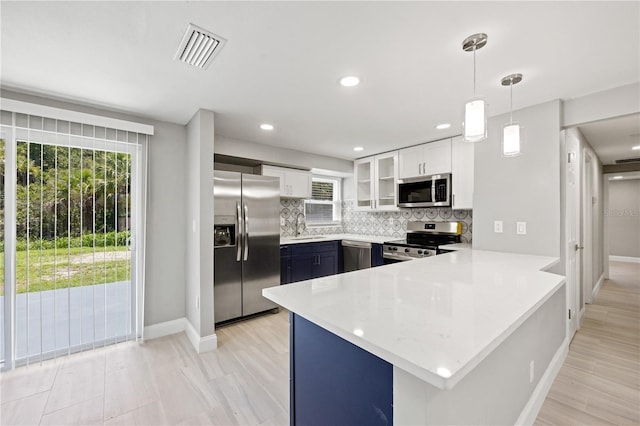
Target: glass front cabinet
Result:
[376, 182]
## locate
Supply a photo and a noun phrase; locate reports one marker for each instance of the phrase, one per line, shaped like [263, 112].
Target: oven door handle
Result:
[400, 257]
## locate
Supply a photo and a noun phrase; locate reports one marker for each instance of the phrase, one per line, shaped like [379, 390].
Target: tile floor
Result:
[162, 381]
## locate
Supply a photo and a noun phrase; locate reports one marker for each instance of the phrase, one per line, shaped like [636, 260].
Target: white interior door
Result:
[572, 229]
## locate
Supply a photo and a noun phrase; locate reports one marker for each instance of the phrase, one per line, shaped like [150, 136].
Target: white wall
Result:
[199, 224]
[610, 103]
[165, 268]
[520, 189]
[623, 218]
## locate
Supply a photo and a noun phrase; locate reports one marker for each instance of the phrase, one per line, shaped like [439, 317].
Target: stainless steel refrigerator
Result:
[246, 243]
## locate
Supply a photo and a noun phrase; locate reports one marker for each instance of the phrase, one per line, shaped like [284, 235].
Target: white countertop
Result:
[436, 317]
[334, 237]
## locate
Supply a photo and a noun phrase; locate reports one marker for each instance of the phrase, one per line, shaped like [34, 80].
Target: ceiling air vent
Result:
[628, 160]
[199, 47]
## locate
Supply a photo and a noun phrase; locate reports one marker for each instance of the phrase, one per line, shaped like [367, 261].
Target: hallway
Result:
[599, 382]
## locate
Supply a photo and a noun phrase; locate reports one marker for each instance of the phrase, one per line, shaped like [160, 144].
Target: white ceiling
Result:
[283, 59]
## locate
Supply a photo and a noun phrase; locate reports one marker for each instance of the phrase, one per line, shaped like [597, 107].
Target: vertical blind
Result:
[73, 280]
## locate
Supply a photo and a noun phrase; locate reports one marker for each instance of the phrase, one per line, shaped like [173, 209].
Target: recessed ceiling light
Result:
[349, 81]
[443, 126]
[266, 126]
[635, 148]
[443, 372]
[358, 148]
[617, 177]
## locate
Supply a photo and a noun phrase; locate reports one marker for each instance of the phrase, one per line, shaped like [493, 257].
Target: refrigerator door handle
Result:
[238, 232]
[246, 232]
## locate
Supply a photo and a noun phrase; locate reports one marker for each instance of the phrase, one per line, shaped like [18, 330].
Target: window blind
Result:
[324, 205]
[78, 274]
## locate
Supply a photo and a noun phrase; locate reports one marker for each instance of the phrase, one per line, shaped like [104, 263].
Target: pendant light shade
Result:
[511, 142]
[475, 120]
[475, 110]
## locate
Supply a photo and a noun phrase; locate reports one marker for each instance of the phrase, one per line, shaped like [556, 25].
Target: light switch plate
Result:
[521, 228]
[497, 226]
[283, 221]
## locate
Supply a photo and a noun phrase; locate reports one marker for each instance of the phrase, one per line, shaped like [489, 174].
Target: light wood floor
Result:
[162, 381]
[599, 383]
[246, 381]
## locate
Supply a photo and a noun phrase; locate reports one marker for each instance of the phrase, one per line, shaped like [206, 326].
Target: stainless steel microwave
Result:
[425, 191]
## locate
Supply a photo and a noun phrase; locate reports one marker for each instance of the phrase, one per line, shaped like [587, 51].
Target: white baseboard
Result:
[596, 288]
[200, 344]
[625, 259]
[530, 412]
[164, 329]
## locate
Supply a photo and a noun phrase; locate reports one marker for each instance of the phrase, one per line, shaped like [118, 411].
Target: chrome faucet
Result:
[304, 226]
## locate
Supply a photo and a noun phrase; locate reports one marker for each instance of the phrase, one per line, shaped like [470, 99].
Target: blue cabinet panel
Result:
[376, 255]
[335, 382]
[313, 260]
[326, 264]
[302, 267]
[285, 265]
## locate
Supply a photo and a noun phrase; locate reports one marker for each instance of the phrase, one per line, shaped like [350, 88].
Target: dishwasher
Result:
[356, 254]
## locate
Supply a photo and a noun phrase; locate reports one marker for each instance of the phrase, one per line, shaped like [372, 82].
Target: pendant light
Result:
[511, 144]
[475, 110]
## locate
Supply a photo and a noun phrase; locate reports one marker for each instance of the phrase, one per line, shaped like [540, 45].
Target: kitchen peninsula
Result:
[468, 337]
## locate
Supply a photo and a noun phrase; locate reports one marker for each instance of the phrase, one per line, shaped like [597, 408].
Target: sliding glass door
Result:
[71, 241]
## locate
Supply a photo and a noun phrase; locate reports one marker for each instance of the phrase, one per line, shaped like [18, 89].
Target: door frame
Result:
[587, 230]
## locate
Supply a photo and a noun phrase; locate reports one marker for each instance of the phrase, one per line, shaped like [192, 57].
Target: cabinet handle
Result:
[424, 168]
[453, 200]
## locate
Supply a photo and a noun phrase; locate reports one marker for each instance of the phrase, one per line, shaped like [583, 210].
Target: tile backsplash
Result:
[392, 224]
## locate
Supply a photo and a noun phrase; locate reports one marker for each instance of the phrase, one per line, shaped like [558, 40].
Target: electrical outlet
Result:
[521, 228]
[531, 371]
[283, 221]
[497, 226]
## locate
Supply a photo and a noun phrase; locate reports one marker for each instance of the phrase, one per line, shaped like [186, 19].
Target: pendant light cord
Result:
[474, 71]
[511, 104]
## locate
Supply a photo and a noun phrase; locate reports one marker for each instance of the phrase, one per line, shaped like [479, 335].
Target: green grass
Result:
[75, 267]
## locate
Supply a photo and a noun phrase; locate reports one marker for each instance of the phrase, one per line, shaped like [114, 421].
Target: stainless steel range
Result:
[424, 239]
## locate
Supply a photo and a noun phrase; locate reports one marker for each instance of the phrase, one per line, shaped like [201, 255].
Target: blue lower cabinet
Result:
[313, 260]
[285, 265]
[376, 255]
[334, 382]
[302, 267]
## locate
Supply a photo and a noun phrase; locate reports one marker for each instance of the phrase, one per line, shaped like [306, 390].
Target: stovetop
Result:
[421, 234]
[425, 241]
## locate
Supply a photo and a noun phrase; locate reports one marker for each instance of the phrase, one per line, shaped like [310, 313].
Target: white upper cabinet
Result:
[376, 182]
[410, 161]
[462, 170]
[293, 183]
[427, 159]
